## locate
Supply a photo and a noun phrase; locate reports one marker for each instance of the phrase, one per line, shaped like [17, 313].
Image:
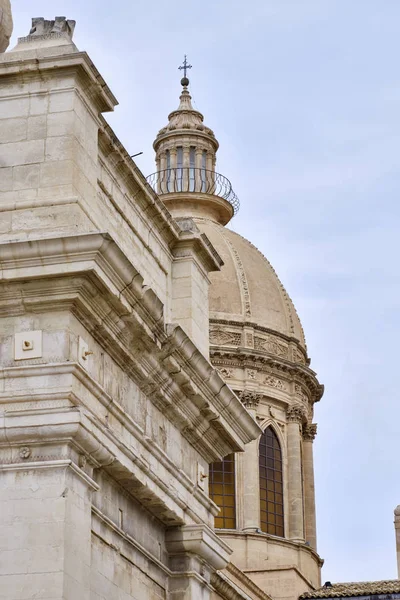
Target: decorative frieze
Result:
[271, 345]
[300, 393]
[221, 337]
[274, 382]
[298, 356]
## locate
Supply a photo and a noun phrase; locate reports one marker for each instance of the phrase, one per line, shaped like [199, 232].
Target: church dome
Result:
[247, 289]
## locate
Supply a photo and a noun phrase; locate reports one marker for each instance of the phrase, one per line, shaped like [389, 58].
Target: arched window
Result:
[271, 483]
[222, 491]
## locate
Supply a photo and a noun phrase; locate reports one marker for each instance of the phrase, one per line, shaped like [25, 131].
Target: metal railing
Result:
[188, 179]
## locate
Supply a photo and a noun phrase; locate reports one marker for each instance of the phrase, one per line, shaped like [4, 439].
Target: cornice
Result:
[260, 328]
[136, 183]
[48, 62]
[226, 534]
[89, 275]
[251, 359]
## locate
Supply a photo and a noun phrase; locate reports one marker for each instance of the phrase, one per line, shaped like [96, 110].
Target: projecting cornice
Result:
[90, 276]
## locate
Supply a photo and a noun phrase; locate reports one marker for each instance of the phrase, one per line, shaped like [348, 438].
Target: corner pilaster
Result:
[309, 433]
[397, 532]
[250, 470]
[295, 417]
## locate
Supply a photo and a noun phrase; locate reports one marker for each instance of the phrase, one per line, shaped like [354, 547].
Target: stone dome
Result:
[247, 289]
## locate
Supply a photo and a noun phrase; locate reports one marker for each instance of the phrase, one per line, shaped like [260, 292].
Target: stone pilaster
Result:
[309, 433]
[195, 553]
[250, 470]
[45, 505]
[397, 531]
[295, 416]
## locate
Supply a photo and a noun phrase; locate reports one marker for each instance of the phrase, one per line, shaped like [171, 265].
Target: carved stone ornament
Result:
[274, 382]
[298, 356]
[41, 27]
[295, 414]
[300, 392]
[25, 452]
[271, 345]
[309, 432]
[226, 373]
[250, 399]
[220, 337]
[251, 374]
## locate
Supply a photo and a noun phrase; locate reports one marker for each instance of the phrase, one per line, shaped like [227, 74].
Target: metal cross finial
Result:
[185, 66]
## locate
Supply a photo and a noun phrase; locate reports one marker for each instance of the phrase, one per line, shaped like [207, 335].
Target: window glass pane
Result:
[271, 488]
[222, 491]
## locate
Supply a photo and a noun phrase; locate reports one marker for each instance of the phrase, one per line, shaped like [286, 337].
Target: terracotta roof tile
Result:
[361, 588]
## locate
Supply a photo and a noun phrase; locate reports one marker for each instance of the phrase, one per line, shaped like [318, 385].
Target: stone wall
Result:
[110, 411]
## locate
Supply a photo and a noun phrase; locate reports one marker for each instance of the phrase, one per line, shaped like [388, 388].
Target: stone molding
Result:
[199, 540]
[134, 308]
[78, 63]
[245, 358]
[309, 432]
[77, 433]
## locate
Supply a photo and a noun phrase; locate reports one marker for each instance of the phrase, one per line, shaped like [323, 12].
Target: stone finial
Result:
[6, 24]
[60, 25]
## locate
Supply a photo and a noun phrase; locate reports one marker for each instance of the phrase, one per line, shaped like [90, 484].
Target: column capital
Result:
[295, 414]
[250, 398]
[309, 432]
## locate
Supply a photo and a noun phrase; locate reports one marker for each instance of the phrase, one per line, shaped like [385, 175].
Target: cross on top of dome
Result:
[185, 66]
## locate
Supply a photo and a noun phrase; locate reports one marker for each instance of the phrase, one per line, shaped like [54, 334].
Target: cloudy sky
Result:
[304, 96]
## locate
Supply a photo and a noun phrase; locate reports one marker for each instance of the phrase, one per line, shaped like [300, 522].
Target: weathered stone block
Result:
[21, 153]
[12, 130]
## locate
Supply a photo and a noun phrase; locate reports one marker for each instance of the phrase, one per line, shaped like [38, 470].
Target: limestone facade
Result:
[140, 342]
[110, 409]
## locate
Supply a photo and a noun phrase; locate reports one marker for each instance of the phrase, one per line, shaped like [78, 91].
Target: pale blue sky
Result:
[304, 96]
